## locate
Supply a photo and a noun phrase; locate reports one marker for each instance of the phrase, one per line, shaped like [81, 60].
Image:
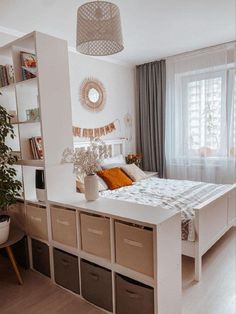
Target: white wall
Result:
[118, 81]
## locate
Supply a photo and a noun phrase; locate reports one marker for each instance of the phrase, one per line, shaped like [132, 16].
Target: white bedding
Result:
[178, 195]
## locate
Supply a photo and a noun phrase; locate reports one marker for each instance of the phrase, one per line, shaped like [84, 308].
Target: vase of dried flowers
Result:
[86, 163]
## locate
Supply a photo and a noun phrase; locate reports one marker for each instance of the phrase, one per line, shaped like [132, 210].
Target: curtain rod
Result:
[182, 54]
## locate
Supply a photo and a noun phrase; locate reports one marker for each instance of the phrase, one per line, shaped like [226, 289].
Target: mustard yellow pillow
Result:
[115, 178]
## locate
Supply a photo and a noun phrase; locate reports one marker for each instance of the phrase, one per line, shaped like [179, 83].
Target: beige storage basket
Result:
[95, 235]
[64, 226]
[37, 221]
[134, 248]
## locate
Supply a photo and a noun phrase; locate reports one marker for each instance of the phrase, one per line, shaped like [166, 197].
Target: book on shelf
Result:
[28, 65]
[36, 147]
[6, 75]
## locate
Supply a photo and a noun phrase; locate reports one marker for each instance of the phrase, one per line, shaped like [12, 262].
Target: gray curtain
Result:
[151, 98]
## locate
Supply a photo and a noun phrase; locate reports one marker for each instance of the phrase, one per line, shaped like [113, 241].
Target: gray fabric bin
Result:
[40, 252]
[133, 297]
[66, 270]
[96, 284]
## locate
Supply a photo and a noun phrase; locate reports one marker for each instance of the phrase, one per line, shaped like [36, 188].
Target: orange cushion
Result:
[115, 178]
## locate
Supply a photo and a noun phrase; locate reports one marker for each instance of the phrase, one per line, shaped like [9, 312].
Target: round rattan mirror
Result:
[92, 95]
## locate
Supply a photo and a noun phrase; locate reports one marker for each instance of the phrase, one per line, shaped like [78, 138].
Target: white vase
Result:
[4, 230]
[91, 187]
[41, 195]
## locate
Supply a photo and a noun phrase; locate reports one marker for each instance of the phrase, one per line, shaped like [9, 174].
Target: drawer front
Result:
[133, 297]
[18, 215]
[66, 270]
[134, 248]
[64, 226]
[37, 222]
[40, 254]
[95, 235]
[96, 285]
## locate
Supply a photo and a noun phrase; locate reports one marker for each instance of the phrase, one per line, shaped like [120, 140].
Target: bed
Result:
[208, 210]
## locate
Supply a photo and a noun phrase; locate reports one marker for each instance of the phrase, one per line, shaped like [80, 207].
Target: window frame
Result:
[228, 74]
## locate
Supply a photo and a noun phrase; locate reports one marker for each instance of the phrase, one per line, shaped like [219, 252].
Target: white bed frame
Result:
[115, 146]
[213, 218]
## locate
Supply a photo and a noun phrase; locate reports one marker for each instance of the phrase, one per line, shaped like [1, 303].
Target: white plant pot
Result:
[91, 187]
[4, 231]
[41, 195]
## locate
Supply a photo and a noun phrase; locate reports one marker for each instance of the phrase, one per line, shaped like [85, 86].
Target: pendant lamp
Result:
[99, 29]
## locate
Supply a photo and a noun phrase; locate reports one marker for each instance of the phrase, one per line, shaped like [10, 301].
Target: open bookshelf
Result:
[47, 93]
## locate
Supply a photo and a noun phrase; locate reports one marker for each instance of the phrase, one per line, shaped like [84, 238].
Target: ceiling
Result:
[152, 29]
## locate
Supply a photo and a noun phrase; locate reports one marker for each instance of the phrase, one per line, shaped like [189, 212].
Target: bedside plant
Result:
[9, 185]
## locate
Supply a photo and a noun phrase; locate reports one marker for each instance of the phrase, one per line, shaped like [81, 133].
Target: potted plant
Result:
[9, 186]
[86, 163]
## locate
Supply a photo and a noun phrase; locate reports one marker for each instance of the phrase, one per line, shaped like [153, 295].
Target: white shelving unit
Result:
[50, 92]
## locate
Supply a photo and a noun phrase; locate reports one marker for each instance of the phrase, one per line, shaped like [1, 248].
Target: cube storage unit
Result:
[66, 270]
[96, 285]
[120, 256]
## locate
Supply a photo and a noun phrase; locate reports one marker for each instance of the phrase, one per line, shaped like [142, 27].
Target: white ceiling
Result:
[152, 29]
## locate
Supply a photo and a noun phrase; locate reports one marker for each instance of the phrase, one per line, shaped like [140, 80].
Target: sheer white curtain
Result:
[201, 115]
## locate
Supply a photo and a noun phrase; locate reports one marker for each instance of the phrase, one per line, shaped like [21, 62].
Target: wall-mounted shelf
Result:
[10, 87]
[25, 122]
[32, 163]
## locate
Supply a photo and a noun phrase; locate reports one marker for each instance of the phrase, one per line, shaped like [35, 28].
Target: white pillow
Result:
[119, 159]
[102, 186]
[134, 172]
[110, 166]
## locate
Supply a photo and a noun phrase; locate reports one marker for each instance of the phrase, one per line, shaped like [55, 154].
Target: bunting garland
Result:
[96, 132]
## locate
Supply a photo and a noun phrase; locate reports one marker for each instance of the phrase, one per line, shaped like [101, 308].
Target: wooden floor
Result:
[215, 294]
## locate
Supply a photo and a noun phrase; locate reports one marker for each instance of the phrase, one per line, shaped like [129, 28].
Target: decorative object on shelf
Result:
[91, 191]
[9, 186]
[33, 115]
[40, 185]
[13, 118]
[134, 159]
[92, 95]
[7, 76]
[36, 147]
[99, 30]
[96, 132]
[128, 122]
[28, 65]
[86, 163]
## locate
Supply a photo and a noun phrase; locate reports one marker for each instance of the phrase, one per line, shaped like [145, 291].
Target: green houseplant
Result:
[9, 186]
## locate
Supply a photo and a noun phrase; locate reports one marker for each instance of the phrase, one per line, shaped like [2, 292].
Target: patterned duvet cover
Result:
[180, 195]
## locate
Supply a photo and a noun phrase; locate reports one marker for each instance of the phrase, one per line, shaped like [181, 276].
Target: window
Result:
[210, 114]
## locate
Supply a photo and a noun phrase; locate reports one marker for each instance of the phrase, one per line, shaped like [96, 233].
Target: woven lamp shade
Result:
[99, 29]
